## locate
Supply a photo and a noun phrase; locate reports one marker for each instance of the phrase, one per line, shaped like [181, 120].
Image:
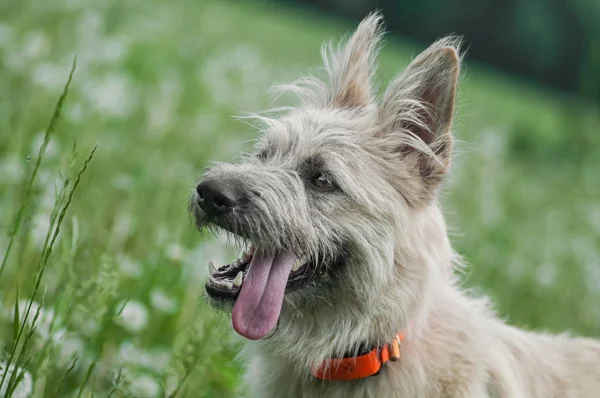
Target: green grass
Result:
[118, 310]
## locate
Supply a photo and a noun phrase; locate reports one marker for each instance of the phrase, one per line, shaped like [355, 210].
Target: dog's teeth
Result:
[211, 268]
[238, 262]
[225, 284]
[237, 282]
[297, 265]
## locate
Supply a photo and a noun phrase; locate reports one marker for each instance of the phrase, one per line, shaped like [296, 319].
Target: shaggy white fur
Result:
[388, 157]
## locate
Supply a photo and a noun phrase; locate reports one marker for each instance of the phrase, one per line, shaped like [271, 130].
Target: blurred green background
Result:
[156, 86]
[555, 42]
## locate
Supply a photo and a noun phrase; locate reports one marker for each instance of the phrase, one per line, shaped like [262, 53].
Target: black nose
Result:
[218, 195]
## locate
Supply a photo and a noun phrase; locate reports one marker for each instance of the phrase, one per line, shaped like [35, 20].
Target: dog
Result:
[347, 286]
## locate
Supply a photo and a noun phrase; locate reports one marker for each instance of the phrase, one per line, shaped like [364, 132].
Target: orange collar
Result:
[359, 367]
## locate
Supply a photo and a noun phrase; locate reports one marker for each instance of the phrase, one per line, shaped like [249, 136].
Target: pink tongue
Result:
[258, 305]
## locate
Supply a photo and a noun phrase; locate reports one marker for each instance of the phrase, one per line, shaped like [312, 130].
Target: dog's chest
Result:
[271, 381]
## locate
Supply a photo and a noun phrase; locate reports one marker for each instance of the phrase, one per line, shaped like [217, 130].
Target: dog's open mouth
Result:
[226, 281]
[257, 283]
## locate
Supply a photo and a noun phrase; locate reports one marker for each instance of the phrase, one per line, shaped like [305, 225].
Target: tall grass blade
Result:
[87, 377]
[62, 380]
[16, 322]
[42, 151]
[47, 252]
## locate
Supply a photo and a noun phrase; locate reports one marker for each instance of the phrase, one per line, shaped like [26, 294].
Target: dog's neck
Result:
[339, 325]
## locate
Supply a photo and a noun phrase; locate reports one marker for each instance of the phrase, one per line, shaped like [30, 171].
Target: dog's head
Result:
[334, 205]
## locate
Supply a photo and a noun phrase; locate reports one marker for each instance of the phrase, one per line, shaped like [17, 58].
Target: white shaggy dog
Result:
[348, 251]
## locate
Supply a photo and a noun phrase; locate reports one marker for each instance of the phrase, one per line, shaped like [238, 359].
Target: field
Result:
[117, 300]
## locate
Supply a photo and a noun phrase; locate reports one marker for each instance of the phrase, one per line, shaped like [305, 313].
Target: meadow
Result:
[102, 271]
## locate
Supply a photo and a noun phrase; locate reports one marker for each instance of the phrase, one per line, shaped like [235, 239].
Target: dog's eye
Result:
[323, 182]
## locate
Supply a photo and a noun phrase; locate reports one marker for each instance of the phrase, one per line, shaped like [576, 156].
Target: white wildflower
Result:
[89, 28]
[47, 325]
[162, 302]
[155, 360]
[112, 49]
[175, 252]
[113, 95]
[39, 229]
[129, 267]
[33, 46]
[163, 104]
[25, 385]
[49, 178]
[75, 112]
[128, 352]
[491, 209]
[171, 384]
[160, 360]
[144, 386]
[47, 198]
[134, 316]
[50, 76]
[90, 327]
[36, 44]
[12, 169]
[122, 226]
[70, 347]
[493, 143]
[123, 181]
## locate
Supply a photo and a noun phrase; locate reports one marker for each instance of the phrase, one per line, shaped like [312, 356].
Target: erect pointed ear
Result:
[351, 66]
[417, 110]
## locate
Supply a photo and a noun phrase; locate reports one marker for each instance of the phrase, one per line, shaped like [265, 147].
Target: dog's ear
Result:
[417, 110]
[351, 66]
